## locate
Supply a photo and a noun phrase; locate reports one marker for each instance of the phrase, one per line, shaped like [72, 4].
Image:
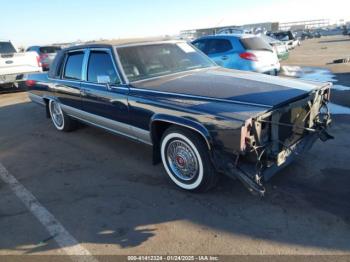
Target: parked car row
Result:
[236, 48]
[287, 37]
[46, 54]
[200, 119]
[14, 66]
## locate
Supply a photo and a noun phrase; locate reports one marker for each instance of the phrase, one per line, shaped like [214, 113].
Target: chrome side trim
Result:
[200, 97]
[36, 99]
[142, 135]
[109, 125]
[94, 84]
[65, 80]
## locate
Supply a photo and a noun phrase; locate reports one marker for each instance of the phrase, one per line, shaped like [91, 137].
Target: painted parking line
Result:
[68, 244]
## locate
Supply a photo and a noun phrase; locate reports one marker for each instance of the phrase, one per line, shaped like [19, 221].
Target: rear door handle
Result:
[83, 92]
[57, 87]
[225, 57]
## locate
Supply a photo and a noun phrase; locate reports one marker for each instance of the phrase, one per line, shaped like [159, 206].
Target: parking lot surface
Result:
[316, 56]
[103, 190]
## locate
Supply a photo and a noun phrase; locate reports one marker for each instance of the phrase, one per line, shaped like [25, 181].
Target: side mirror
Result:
[103, 79]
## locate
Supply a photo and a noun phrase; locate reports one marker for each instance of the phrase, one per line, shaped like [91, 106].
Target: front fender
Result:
[181, 121]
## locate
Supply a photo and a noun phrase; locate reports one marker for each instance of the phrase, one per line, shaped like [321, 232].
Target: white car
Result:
[287, 37]
[15, 66]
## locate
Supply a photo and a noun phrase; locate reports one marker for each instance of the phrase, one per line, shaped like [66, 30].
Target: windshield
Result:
[6, 47]
[255, 43]
[49, 49]
[152, 60]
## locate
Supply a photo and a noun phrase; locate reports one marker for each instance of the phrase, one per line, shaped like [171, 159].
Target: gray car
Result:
[46, 54]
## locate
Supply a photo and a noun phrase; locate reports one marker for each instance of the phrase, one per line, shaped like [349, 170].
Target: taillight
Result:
[248, 56]
[30, 83]
[38, 61]
[42, 59]
[43, 56]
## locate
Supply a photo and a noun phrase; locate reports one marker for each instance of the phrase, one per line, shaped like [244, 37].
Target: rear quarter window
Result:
[49, 49]
[215, 46]
[57, 65]
[74, 64]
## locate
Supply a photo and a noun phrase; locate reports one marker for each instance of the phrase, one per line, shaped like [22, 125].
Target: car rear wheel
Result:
[60, 120]
[186, 160]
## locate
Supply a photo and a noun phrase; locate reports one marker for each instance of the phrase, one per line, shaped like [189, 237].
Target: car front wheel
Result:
[186, 159]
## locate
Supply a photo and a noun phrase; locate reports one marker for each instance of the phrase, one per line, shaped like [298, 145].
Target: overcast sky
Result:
[45, 21]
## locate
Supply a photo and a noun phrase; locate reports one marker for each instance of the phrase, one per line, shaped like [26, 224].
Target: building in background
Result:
[195, 33]
[302, 25]
[259, 27]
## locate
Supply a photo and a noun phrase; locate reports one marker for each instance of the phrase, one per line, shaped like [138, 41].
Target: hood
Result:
[234, 85]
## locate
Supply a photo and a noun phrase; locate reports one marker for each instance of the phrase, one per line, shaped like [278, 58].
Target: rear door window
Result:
[215, 46]
[101, 64]
[255, 43]
[74, 64]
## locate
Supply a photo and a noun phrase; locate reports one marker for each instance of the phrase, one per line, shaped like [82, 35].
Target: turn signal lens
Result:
[38, 61]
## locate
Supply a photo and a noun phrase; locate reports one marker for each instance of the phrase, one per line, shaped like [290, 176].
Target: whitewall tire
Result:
[60, 120]
[186, 159]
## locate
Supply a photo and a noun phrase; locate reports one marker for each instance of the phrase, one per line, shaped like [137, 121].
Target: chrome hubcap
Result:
[182, 160]
[57, 115]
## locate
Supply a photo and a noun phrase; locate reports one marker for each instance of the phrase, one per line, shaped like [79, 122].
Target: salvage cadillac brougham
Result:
[201, 120]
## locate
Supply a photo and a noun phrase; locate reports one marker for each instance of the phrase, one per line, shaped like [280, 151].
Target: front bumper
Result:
[288, 155]
[255, 182]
